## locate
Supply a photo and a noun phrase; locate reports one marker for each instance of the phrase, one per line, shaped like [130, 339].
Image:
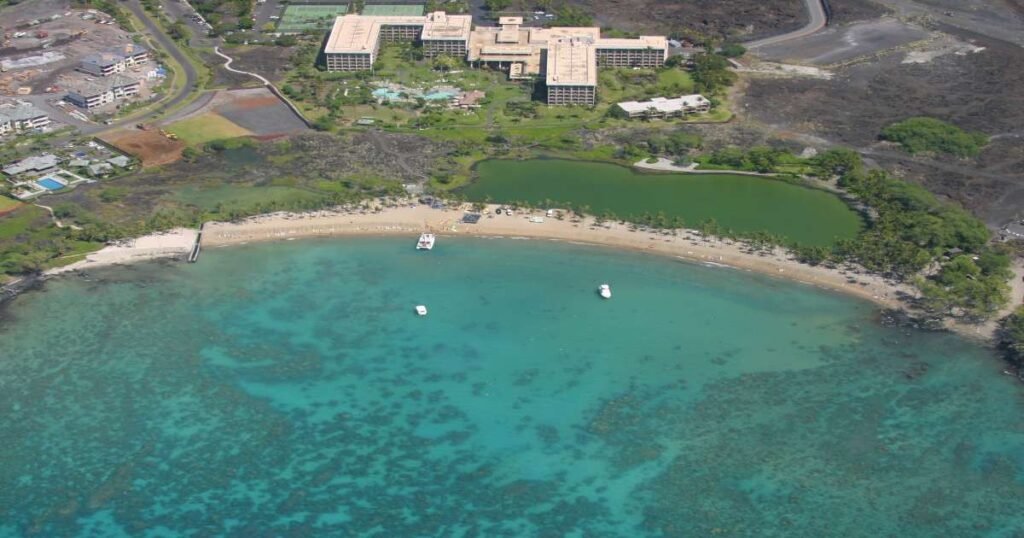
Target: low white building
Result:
[661, 107]
[35, 163]
[93, 94]
[20, 116]
[105, 64]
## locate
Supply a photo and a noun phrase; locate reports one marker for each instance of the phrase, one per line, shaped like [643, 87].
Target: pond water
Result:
[741, 203]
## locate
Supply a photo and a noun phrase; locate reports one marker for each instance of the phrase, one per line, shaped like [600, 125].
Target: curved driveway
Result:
[817, 22]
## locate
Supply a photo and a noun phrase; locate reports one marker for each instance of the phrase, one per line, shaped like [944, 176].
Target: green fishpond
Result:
[742, 203]
[289, 389]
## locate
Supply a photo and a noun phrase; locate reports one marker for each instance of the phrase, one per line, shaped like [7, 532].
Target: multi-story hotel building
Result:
[571, 74]
[355, 40]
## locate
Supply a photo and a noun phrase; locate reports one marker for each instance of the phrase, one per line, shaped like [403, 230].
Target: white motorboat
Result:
[605, 291]
[426, 242]
[421, 310]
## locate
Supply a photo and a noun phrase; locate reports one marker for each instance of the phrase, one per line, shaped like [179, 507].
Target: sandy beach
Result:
[412, 220]
[170, 244]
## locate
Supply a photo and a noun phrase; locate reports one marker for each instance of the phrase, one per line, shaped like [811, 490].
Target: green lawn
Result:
[206, 127]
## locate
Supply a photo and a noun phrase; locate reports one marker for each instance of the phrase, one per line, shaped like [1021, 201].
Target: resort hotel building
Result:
[355, 40]
[566, 57]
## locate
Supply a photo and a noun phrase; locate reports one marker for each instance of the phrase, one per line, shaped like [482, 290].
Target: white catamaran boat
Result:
[421, 310]
[605, 291]
[426, 242]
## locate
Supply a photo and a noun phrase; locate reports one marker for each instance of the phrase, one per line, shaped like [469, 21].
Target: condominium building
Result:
[645, 51]
[19, 116]
[355, 40]
[105, 64]
[91, 94]
[660, 107]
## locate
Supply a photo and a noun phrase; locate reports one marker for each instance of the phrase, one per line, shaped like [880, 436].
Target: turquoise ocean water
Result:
[289, 390]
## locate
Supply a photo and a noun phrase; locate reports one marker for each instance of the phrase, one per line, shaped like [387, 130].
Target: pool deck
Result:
[27, 190]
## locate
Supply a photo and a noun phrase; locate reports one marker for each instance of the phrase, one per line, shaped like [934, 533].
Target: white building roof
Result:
[40, 162]
[662, 104]
[19, 111]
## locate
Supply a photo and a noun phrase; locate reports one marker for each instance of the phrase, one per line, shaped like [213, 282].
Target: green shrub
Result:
[733, 50]
[929, 134]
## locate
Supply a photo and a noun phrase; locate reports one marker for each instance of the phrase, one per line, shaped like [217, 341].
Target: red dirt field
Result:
[249, 103]
[151, 147]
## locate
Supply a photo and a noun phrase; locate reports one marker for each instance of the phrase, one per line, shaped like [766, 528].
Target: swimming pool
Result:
[394, 95]
[49, 183]
[438, 95]
[384, 93]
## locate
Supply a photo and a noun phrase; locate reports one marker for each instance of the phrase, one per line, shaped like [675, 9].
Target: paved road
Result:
[155, 32]
[817, 22]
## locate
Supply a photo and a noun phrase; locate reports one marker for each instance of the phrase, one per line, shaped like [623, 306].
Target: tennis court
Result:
[394, 10]
[301, 18]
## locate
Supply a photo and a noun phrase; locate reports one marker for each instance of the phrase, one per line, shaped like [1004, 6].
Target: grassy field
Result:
[7, 205]
[206, 127]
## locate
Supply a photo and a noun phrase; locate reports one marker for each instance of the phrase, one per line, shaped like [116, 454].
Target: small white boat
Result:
[426, 242]
[605, 291]
[421, 310]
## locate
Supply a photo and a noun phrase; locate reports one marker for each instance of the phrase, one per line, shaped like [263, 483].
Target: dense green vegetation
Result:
[917, 135]
[711, 74]
[733, 50]
[911, 231]
[1011, 337]
[30, 242]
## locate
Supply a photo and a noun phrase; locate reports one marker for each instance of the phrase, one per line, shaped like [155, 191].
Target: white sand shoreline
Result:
[411, 220]
[686, 245]
[170, 244]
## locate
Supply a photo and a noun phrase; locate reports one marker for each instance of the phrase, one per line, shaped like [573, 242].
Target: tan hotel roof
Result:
[571, 62]
[359, 34]
[643, 42]
[440, 25]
